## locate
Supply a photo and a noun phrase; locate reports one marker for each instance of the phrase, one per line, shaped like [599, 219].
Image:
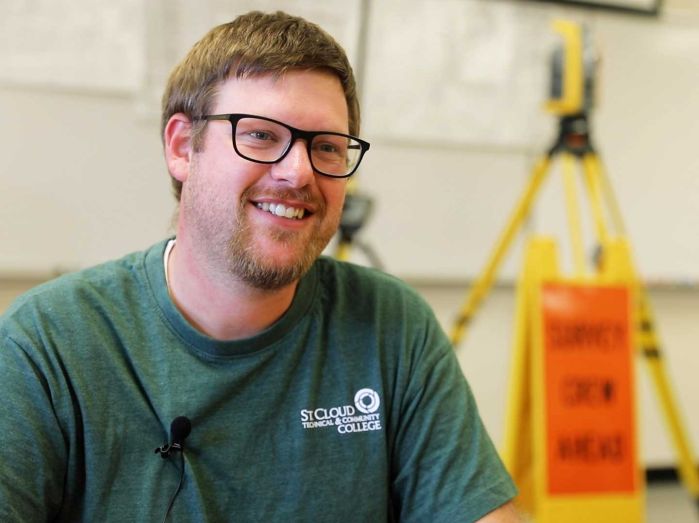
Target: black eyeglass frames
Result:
[264, 140]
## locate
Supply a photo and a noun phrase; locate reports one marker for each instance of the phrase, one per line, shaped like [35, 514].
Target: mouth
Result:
[281, 210]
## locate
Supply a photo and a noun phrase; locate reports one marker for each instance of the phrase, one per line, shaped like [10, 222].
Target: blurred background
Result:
[452, 98]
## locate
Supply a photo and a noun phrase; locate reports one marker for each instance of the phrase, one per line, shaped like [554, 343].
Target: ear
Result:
[178, 146]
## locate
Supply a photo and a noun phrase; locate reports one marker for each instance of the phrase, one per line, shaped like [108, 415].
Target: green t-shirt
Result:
[351, 407]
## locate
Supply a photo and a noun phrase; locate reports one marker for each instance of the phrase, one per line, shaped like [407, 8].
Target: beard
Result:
[226, 237]
[246, 262]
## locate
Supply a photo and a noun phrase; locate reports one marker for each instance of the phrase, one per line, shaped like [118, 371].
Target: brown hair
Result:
[252, 44]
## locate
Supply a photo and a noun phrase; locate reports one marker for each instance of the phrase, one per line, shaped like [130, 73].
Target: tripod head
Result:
[355, 213]
[573, 136]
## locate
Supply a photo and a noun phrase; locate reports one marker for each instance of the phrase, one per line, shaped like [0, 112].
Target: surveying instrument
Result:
[537, 447]
[355, 213]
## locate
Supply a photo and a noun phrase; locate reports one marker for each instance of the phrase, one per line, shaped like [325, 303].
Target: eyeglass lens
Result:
[265, 141]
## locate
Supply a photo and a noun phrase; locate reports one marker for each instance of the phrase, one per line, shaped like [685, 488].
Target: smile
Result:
[282, 210]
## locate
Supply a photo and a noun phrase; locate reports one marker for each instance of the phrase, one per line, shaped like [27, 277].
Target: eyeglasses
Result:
[264, 140]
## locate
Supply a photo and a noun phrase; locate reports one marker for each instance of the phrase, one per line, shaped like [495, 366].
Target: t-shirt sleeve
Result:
[446, 466]
[33, 451]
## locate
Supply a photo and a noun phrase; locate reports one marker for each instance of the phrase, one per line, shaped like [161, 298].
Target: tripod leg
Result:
[592, 177]
[573, 214]
[611, 201]
[648, 341]
[370, 253]
[483, 283]
[342, 251]
[650, 348]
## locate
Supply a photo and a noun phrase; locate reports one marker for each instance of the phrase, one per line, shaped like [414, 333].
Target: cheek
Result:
[334, 194]
[231, 176]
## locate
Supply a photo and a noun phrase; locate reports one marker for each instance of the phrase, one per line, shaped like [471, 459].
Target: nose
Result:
[295, 168]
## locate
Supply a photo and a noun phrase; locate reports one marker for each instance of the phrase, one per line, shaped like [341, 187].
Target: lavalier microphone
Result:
[179, 430]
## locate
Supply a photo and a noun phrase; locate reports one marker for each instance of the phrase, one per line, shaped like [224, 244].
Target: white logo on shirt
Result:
[367, 401]
[345, 418]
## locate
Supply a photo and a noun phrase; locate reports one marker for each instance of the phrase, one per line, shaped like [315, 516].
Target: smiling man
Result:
[255, 209]
[286, 386]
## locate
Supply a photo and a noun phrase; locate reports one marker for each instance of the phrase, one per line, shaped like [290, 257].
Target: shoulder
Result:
[367, 300]
[351, 281]
[75, 283]
[360, 279]
[69, 297]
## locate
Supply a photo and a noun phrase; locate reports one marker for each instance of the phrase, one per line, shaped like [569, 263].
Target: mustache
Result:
[302, 195]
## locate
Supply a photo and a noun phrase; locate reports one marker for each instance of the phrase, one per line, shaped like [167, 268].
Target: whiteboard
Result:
[174, 26]
[454, 118]
[455, 198]
[454, 72]
[85, 44]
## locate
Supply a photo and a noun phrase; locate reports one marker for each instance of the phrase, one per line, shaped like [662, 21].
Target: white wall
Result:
[477, 74]
[82, 180]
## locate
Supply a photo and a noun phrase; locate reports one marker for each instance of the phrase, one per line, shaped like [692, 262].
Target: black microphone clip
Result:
[168, 449]
[179, 430]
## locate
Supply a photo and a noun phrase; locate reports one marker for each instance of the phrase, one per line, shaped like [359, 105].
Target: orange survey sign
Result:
[590, 427]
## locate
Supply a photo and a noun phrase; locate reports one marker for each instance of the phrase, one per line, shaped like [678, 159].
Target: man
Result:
[314, 390]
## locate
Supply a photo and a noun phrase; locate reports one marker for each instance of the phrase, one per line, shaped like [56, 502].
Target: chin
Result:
[272, 268]
[269, 277]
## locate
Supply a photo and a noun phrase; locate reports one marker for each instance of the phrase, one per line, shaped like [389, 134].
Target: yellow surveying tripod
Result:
[355, 213]
[573, 146]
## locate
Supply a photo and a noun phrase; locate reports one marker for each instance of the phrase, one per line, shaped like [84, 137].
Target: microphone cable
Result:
[179, 430]
[177, 490]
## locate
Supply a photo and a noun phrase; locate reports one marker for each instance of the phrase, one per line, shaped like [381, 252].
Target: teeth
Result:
[279, 209]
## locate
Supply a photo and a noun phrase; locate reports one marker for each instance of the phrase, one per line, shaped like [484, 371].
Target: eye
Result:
[257, 138]
[261, 135]
[327, 148]
[330, 146]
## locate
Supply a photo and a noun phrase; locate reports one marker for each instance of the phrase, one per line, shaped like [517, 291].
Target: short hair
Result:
[253, 44]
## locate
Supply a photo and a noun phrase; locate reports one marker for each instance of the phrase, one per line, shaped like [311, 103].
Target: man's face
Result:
[226, 200]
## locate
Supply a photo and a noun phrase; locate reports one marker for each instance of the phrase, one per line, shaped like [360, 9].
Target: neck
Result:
[219, 305]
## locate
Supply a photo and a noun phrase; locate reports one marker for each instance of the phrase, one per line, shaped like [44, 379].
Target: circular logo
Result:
[367, 401]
